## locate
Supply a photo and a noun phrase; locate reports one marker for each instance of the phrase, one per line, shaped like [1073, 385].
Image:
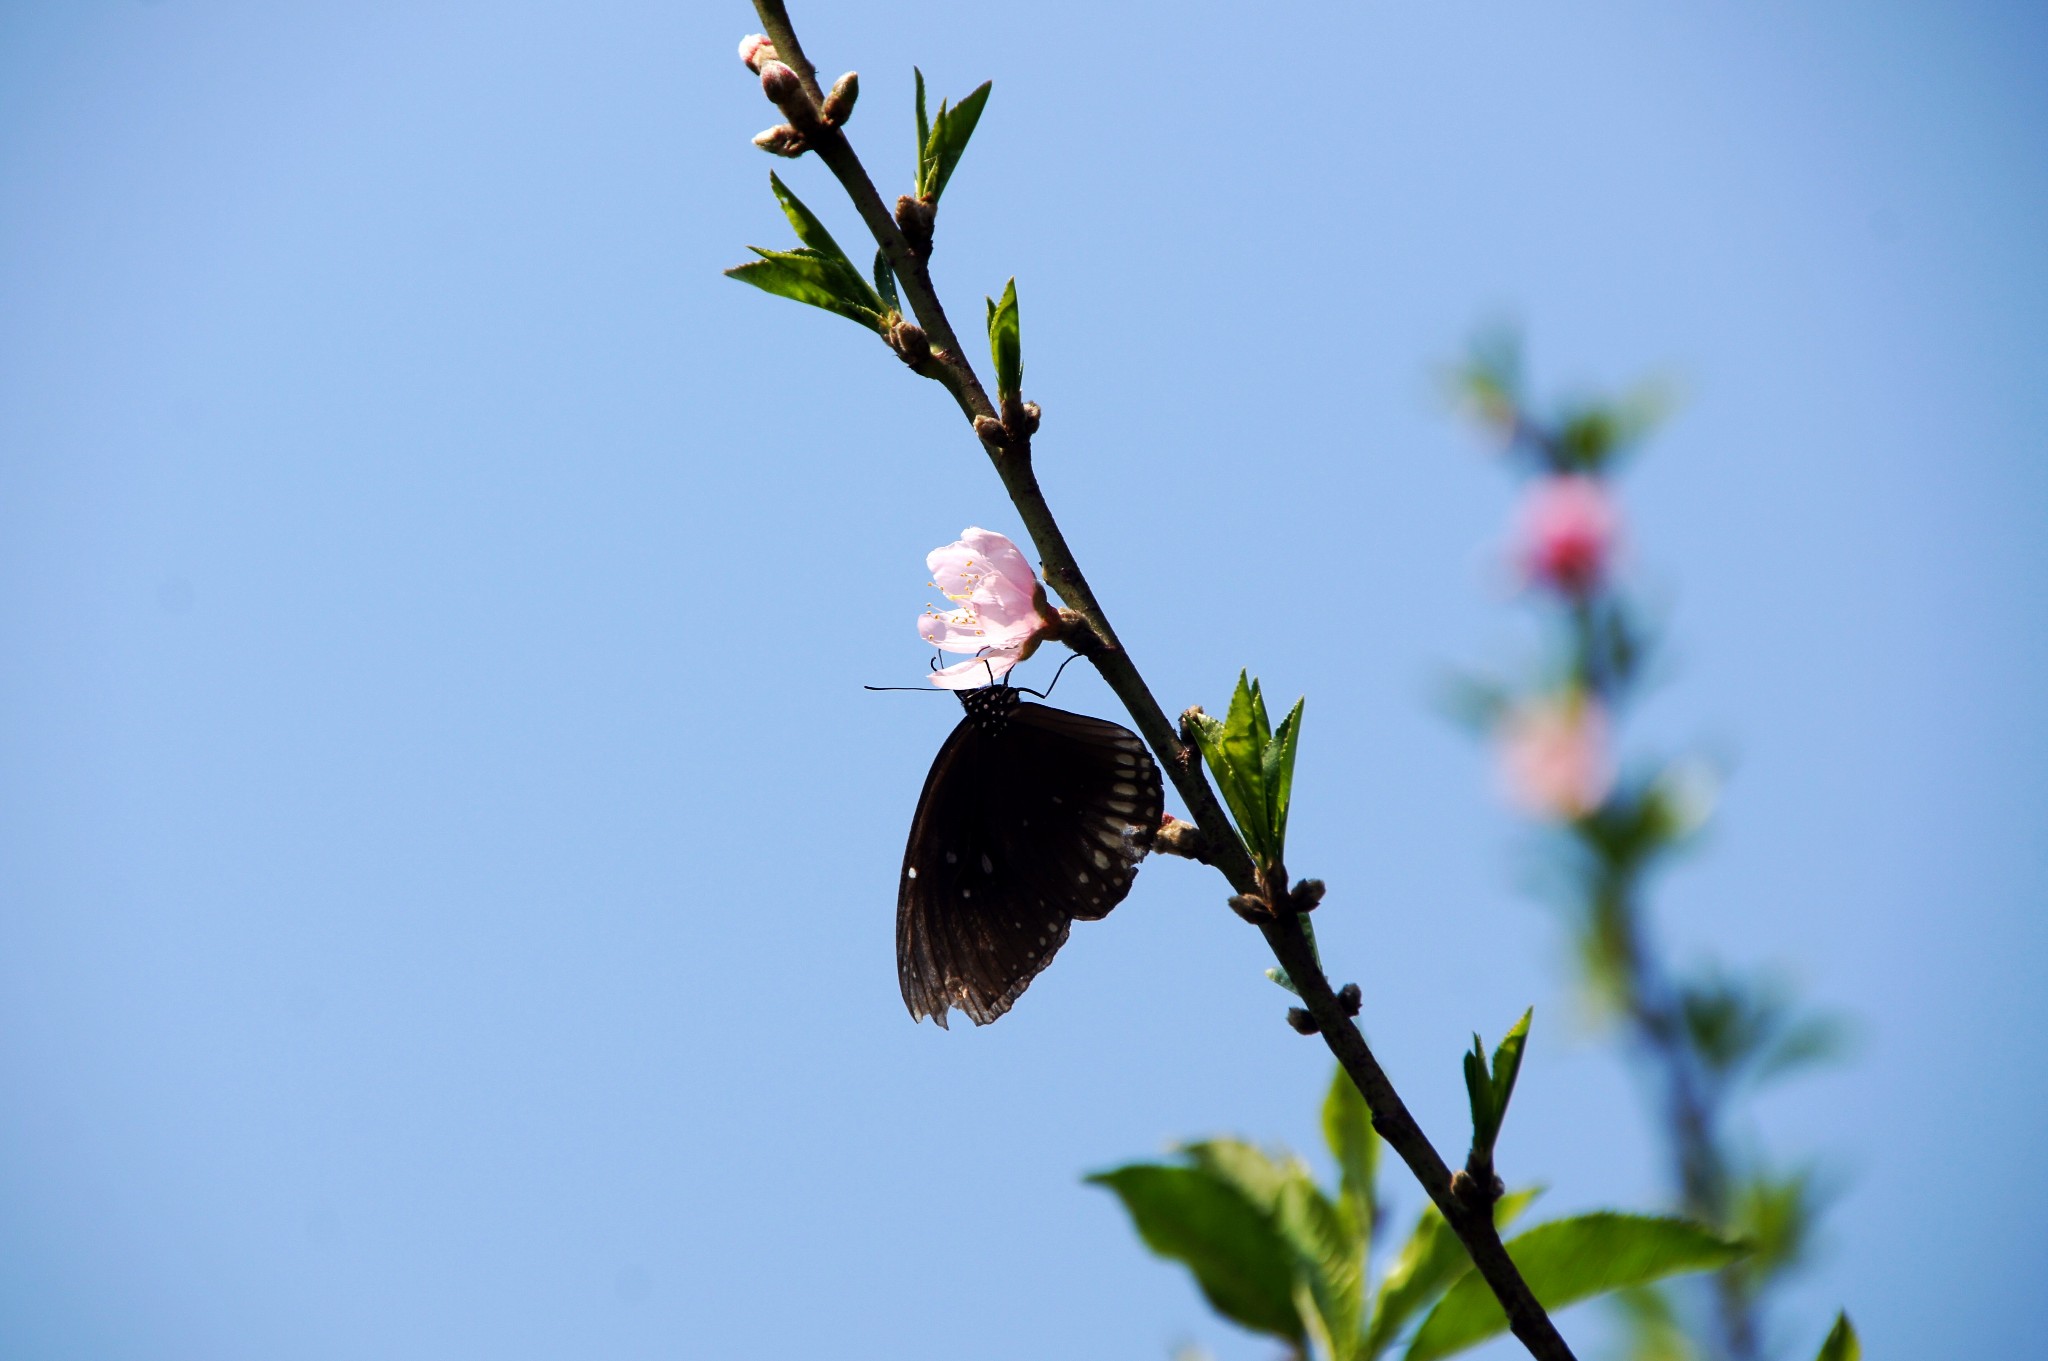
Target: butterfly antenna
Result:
[1047, 692]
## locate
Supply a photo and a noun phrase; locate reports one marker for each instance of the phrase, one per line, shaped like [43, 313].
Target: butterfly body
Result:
[1032, 818]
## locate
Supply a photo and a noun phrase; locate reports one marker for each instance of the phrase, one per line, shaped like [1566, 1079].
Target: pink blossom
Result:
[1553, 756]
[1569, 527]
[1000, 614]
[755, 49]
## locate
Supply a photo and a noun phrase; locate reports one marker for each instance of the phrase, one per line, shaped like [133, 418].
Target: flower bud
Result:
[781, 140]
[1568, 533]
[1251, 907]
[990, 429]
[1031, 415]
[838, 105]
[1554, 756]
[910, 343]
[914, 220]
[780, 83]
[1302, 1022]
[755, 49]
[1351, 999]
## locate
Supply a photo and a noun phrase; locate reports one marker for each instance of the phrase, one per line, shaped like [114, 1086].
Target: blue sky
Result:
[446, 857]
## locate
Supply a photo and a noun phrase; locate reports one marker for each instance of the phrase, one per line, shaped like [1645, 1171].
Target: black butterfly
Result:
[1031, 818]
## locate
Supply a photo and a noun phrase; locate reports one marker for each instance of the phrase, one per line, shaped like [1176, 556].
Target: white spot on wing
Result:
[987, 865]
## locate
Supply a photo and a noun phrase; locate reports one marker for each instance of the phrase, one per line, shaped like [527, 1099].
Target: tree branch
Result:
[1471, 1218]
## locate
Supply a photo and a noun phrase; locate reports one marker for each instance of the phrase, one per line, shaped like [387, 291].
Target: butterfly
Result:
[1031, 819]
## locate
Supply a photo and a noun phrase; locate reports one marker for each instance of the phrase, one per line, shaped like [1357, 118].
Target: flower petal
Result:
[965, 631]
[975, 672]
[982, 560]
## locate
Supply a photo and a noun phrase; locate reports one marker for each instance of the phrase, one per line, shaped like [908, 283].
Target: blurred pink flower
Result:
[1569, 527]
[755, 49]
[1553, 756]
[1000, 614]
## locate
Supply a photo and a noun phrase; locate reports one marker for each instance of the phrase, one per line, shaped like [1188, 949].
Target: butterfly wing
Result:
[1024, 825]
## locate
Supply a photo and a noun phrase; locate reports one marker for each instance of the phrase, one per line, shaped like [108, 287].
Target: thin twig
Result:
[1470, 1218]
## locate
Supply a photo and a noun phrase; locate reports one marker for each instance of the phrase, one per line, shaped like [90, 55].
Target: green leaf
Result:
[1842, 1343]
[807, 277]
[1569, 1260]
[1237, 1254]
[1213, 737]
[1005, 345]
[1347, 1129]
[1279, 976]
[1479, 1092]
[1245, 734]
[1428, 1262]
[1654, 1330]
[809, 230]
[885, 283]
[1330, 1260]
[818, 274]
[924, 135]
[947, 140]
[1278, 770]
[1256, 1174]
[1507, 1065]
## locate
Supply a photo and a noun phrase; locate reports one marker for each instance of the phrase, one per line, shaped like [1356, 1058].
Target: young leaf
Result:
[1507, 1065]
[1277, 767]
[948, 139]
[1842, 1343]
[885, 282]
[1347, 1129]
[924, 136]
[1479, 1092]
[809, 230]
[1569, 1260]
[1004, 344]
[1246, 804]
[1279, 976]
[1428, 1262]
[807, 277]
[1245, 734]
[818, 274]
[1236, 1253]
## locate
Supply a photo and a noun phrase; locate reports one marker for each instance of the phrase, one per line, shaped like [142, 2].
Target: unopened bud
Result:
[1307, 894]
[838, 105]
[914, 220]
[990, 429]
[1302, 1021]
[1351, 999]
[1251, 907]
[779, 83]
[781, 140]
[910, 343]
[755, 49]
[1031, 414]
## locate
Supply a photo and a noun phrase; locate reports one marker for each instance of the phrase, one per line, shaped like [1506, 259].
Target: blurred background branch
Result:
[1700, 1038]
